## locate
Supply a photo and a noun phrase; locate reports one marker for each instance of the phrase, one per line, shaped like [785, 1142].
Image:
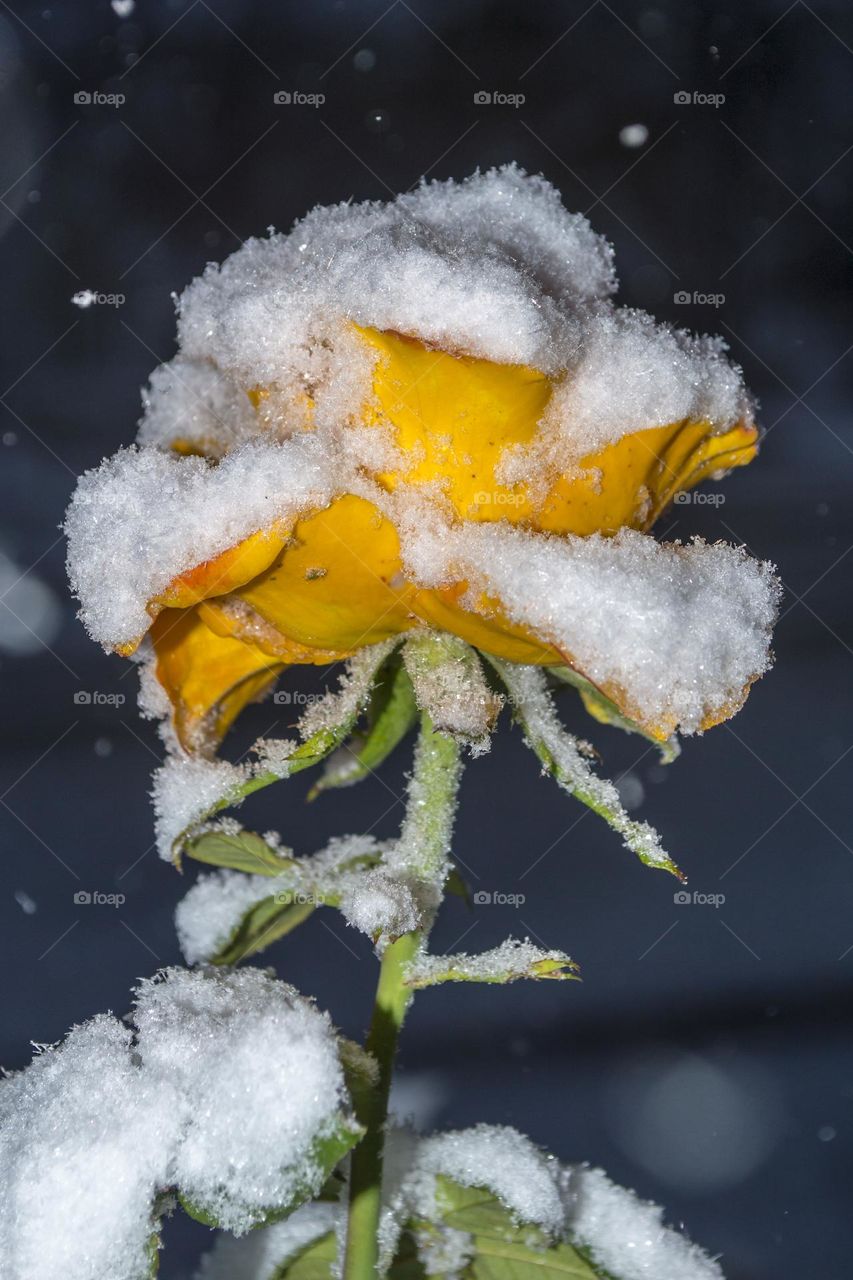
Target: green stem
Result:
[421, 856]
[389, 1010]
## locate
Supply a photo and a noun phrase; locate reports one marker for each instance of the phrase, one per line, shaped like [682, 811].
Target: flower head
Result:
[427, 413]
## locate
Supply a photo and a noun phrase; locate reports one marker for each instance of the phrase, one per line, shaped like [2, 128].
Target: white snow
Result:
[185, 789]
[84, 1144]
[510, 960]
[97, 1127]
[495, 1157]
[144, 517]
[246, 1133]
[208, 915]
[625, 1235]
[677, 632]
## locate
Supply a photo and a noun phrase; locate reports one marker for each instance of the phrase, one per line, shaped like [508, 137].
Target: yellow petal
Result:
[209, 678]
[337, 583]
[454, 417]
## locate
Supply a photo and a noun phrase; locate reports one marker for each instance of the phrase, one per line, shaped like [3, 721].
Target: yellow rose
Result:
[320, 588]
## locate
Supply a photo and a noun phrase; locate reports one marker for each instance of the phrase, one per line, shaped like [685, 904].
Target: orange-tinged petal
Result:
[231, 616]
[337, 584]
[209, 678]
[234, 567]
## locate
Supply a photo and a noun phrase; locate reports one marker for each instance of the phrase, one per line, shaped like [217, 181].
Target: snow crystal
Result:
[122, 8]
[676, 632]
[246, 1133]
[186, 789]
[625, 1235]
[83, 298]
[144, 517]
[501, 1160]
[84, 1145]
[261, 1254]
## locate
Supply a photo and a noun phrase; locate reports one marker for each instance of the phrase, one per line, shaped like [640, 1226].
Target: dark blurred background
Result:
[707, 1060]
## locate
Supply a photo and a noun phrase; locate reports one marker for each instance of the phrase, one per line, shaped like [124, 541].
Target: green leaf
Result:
[241, 851]
[606, 712]
[262, 925]
[503, 1248]
[326, 1153]
[391, 713]
[507, 963]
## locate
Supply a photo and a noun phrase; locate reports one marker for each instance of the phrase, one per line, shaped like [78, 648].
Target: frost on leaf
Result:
[509, 962]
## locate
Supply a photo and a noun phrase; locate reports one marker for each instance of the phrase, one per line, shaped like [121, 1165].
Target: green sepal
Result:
[602, 709]
[391, 713]
[632, 832]
[326, 1153]
[459, 887]
[240, 851]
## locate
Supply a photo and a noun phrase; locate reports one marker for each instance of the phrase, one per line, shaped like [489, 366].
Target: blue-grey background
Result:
[707, 1059]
